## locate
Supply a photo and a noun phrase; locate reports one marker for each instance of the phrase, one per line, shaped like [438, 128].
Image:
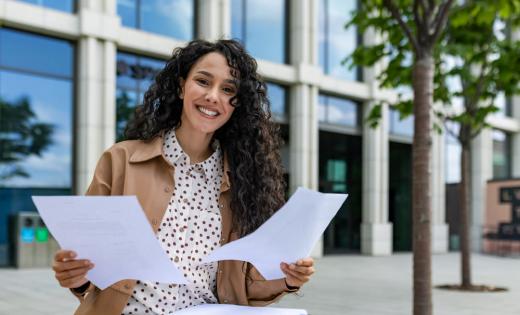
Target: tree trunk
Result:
[423, 71]
[464, 217]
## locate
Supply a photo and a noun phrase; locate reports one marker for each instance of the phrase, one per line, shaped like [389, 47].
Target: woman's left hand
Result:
[298, 273]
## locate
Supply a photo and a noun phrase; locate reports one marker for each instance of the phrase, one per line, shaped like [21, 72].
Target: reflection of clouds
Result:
[126, 3]
[337, 115]
[50, 170]
[168, 10]
[268, 12]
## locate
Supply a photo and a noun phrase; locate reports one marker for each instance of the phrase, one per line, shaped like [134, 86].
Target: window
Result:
[61, 5]
[134, 75]
[400, 127]
[453, 153]
[278, 98]
[501, 154]
[504, 105]
[36, 122]
[338, 111]
[261, 26]
[336, 42]
[173, 18]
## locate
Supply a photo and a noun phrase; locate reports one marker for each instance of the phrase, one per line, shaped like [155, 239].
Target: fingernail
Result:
[292, 266]
[86, 263]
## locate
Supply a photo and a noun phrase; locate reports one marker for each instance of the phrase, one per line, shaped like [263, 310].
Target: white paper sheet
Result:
[113, 233]
[224, 309]
[290, 234]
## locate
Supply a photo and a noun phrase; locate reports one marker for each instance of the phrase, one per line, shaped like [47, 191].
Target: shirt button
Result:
[176, 259]
[181, 229]
[185, 200]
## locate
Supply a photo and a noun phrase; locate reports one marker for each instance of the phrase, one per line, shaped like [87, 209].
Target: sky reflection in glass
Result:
[336, 42]
[260, 26]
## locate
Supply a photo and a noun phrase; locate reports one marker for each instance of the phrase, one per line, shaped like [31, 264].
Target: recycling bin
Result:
[33, 245]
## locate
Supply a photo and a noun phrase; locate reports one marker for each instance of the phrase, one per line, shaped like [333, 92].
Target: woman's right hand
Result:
[70, 272]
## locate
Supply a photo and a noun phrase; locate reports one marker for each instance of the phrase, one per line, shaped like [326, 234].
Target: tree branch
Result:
[390, 5]
[416, 15]
[440, 20]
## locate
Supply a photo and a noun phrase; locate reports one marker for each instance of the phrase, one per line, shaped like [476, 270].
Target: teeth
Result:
[207, 111]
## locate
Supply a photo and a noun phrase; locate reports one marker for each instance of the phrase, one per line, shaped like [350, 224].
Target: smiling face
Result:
[206, 95]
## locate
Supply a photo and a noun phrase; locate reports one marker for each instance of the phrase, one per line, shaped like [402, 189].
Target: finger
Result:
[297, 276]
[61, 276]
[64, 254]
[295, 280]
[302, 270]
[73, 264]
[306, 262]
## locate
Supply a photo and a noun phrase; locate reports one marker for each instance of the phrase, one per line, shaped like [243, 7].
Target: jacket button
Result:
[221, 205]
[154, 221]
[225, 301]
[167, 189]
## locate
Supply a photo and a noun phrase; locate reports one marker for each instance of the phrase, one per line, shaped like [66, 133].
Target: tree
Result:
[486, 63]
[411, 28]
[21, 135]
[483, 60]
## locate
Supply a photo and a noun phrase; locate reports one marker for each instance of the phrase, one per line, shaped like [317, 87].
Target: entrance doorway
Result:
[400, 195]
[340, 171]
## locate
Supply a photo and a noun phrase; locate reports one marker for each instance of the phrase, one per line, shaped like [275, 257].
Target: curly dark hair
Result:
[249, 139]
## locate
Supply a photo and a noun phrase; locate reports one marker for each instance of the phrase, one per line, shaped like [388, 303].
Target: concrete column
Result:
[515, 141]
[440, 231]
[481, 172]
[376, 231]
[303, 112]
[214, 19]
[95, 113]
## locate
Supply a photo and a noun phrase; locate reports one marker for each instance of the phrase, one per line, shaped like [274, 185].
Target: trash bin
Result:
[33, 245]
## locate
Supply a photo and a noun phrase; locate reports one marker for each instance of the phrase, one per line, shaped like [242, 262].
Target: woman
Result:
[204, 163]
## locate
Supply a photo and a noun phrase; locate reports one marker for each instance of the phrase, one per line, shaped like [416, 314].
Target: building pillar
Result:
[376, 231]
[303, 112]
[515, 141]
[214, 19]
[96, 108]
[481, 172]
[440, 230]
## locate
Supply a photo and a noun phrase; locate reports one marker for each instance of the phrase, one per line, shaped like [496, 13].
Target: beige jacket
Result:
[138, 168]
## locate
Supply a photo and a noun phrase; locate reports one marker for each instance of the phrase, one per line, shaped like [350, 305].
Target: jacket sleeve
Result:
[261, 292]
[100, 186]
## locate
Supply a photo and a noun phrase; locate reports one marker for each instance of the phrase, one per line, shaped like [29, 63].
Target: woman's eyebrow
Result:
[212, 76]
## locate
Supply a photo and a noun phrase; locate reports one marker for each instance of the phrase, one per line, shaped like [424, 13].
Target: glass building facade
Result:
[68, 6]
[173, 18]
[257, 22]
[36, 122]
[335, 42]
[501, 154]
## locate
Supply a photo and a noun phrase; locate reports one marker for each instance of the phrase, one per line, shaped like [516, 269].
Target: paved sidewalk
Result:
[343, 285]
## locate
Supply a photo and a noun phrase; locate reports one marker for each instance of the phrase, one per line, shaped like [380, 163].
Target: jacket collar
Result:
[153, 149]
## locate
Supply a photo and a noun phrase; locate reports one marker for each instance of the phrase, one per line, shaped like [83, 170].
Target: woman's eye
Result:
[229, 90]
[202, 81]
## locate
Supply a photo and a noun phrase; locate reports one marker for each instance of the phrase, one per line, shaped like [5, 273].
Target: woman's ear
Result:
[181, 88]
